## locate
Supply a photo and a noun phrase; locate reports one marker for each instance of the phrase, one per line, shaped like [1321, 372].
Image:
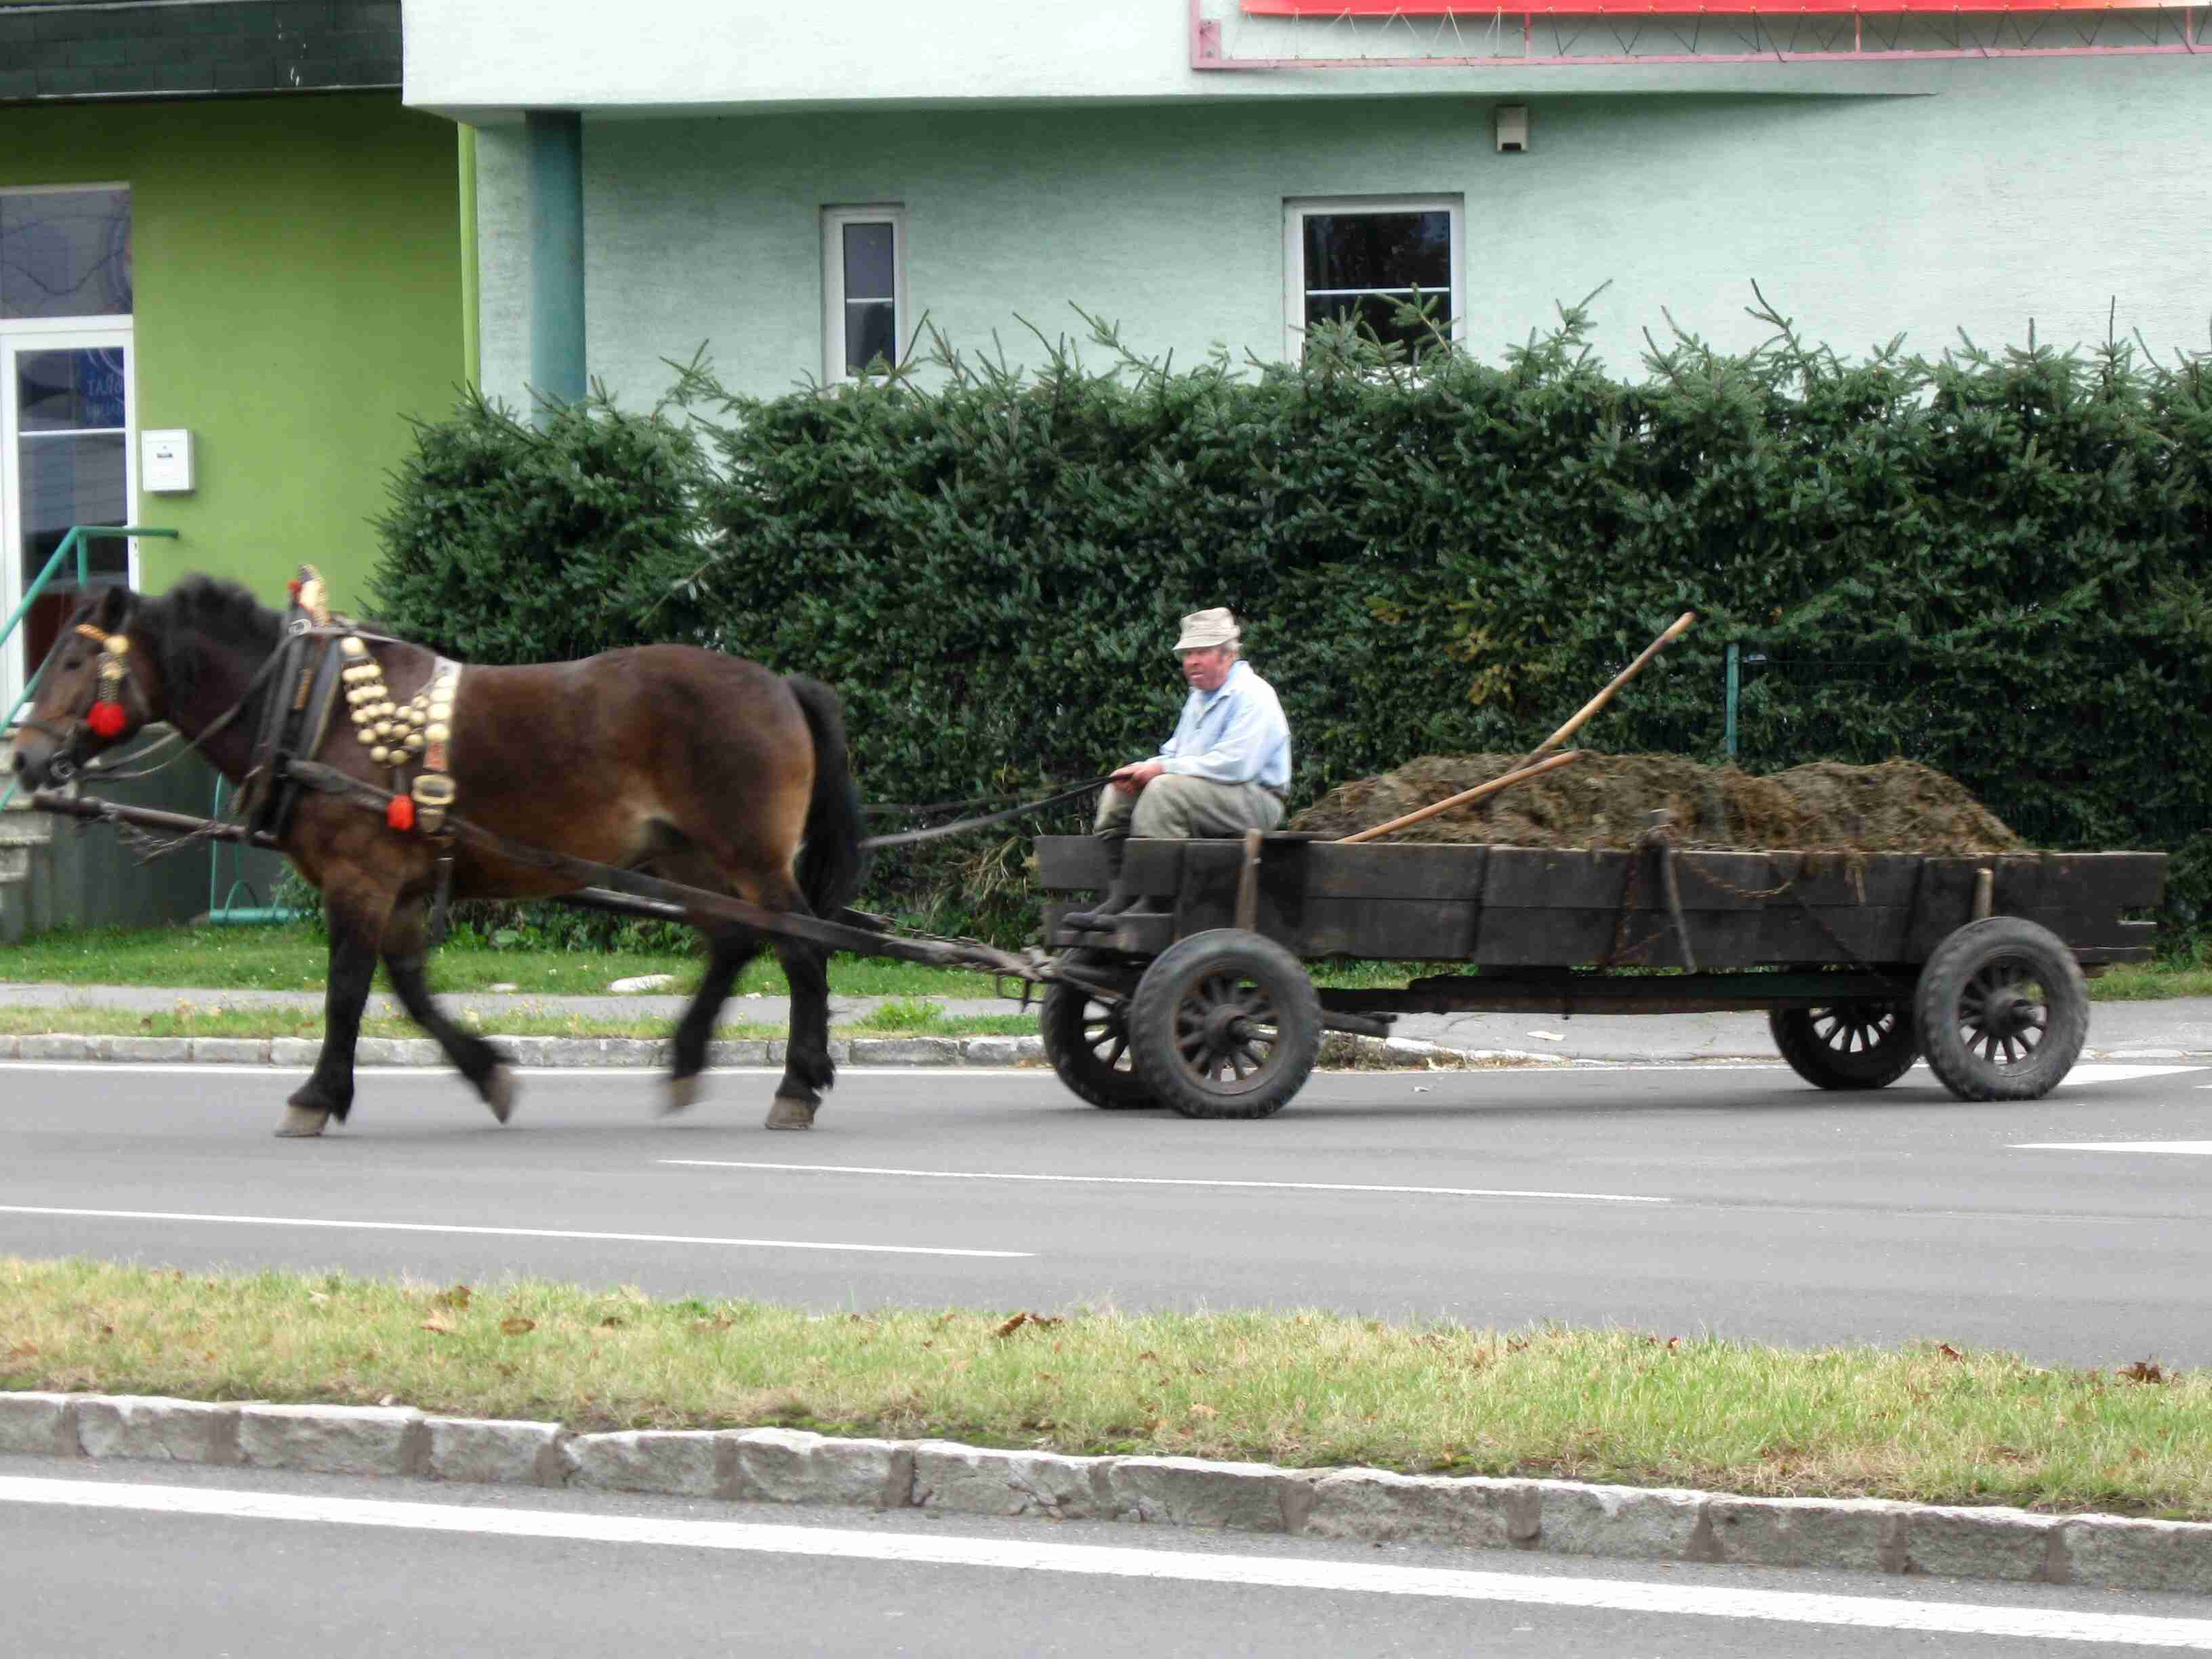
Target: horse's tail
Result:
[830, 863]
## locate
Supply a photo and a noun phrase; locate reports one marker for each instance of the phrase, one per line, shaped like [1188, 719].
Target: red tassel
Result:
[399, 812]
[106, 720]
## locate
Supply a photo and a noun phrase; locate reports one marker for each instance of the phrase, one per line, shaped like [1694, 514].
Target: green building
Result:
[230, 273]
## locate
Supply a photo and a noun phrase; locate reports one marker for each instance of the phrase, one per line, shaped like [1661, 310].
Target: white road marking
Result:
[2194, 1148]
[1106, 1561]
[498, 1232]
[1158, 1180]
[2102, 1071]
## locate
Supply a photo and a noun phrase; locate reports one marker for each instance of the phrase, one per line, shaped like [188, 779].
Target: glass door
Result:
[67, 408]
[66, 418]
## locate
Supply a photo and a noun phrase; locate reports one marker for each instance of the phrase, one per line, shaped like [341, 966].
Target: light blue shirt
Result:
[1234, 735]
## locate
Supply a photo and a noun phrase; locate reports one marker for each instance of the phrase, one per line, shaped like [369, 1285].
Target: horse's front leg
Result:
[405, 938]
[729, 950]
[357, 913]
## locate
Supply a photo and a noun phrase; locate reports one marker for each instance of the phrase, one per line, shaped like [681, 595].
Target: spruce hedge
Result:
[1993, 561]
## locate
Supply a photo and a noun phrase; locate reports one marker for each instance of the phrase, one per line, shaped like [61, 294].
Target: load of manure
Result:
[1600, 800]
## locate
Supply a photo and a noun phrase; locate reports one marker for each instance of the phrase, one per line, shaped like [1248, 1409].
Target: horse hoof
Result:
[683, 1093]
[499, 1093]
[789, 1112]
[302, 1123]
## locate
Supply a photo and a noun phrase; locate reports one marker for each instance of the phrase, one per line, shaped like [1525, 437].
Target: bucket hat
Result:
[1202, 630]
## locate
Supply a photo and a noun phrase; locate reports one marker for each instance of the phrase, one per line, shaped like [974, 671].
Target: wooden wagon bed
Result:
[1507, 907]
[1863, 963]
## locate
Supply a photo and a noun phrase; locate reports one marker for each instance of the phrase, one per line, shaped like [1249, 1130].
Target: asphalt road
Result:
[1675, 1199]
[247, 1564]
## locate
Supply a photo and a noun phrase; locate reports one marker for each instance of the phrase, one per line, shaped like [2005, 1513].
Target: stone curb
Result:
[789, 1466]
[654, 1053]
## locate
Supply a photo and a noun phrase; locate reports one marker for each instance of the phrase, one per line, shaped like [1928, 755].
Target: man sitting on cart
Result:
[1224, 772]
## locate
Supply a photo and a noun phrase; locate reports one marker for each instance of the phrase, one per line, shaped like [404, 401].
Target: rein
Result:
[908, 837]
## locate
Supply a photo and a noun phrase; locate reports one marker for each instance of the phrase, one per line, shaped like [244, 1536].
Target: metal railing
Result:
[79, 535]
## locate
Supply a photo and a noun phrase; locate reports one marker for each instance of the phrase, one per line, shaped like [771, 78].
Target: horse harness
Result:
[417, 734]
[293, 726]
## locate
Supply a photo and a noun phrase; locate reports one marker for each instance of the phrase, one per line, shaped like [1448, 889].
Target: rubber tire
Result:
[1285, 992]
[1060, 1021]
[1947, 985]
[1796, 1034]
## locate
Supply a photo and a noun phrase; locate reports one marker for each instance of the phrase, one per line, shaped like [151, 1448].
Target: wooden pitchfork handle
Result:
[1519, 775]
[1681, 626]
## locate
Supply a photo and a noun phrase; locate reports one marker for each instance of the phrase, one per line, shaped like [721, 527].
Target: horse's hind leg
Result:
[729, 950]
[404, 940]
[807, 1068]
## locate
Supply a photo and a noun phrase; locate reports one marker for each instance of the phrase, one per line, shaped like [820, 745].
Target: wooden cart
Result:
[1862, 964]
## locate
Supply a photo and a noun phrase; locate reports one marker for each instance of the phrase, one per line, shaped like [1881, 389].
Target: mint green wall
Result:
[2051, 188]
[299, 295]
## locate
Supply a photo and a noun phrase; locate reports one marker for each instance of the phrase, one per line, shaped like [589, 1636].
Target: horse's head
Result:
[96, 689]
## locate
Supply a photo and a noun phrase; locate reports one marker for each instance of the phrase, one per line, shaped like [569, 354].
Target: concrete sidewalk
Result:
[2126, 1031]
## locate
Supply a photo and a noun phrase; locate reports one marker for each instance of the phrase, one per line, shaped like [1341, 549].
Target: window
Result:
[1361, 258]
[863, 287]
[65, 253]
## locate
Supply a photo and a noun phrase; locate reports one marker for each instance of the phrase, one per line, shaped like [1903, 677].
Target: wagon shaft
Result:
[626, 892]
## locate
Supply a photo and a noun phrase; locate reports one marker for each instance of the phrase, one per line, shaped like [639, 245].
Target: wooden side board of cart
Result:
[1199, 999]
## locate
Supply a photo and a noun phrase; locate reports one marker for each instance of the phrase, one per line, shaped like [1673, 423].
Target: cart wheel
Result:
[1087, 1042]
[1225, 1024]
[2002, 1009]
[1853, 1045]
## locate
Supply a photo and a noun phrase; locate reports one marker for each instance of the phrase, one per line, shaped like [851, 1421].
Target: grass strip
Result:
[82, 1019]
[1926, 1423]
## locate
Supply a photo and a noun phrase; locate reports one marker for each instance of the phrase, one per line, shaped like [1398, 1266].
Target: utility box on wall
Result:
[165, 461]
[1512, 127]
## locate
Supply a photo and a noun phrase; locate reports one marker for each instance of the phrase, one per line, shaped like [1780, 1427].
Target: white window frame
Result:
[834, 220]
[1297, 210]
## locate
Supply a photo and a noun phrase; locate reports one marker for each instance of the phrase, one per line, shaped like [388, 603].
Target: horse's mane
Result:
[214, 610]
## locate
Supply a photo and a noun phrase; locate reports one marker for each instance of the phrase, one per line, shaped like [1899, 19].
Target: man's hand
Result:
[1132, 778]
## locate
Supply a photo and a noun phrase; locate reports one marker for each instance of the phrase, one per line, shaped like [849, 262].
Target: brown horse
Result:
[699, 768]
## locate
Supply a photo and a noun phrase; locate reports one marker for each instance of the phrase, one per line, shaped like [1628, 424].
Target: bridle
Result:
[107, 716]
[116, 685]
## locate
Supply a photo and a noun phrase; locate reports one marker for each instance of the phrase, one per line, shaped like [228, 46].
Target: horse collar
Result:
[418, 733]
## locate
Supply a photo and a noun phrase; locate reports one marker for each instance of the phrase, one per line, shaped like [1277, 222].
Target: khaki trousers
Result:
[1175, 807]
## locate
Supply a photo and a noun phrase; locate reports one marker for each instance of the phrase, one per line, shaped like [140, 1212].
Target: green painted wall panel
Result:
[299, 296]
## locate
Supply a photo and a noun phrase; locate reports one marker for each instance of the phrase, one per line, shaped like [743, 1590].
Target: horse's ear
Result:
[113, 611]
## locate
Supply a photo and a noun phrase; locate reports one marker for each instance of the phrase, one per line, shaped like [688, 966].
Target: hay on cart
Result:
[1601, 800]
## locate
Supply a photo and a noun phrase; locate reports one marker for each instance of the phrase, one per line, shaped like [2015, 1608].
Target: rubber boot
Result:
[1119, 897]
